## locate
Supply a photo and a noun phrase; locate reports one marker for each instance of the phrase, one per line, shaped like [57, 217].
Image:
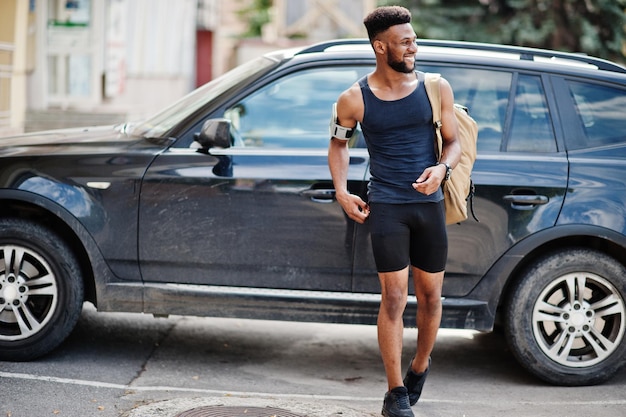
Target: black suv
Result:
[223, 205]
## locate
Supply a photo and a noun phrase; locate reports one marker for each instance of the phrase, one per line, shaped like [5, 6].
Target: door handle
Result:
[320, 195]
[525, 201]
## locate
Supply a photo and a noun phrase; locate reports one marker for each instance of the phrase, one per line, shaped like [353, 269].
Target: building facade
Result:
[70, 63]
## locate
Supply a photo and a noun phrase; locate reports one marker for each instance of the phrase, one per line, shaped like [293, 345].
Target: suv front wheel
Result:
[41, 290]
[566, 317]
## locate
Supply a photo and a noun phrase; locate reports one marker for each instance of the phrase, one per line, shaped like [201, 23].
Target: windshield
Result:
[165, 120]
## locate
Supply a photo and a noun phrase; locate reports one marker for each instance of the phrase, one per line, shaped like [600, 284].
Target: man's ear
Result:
[379, 47]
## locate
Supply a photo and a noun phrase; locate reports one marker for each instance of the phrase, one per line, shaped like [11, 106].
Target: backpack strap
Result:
[431, 83]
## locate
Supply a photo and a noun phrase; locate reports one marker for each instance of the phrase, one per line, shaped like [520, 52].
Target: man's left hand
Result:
[430, 180]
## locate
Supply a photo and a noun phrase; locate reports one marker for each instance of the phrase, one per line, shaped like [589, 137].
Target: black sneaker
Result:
[415, 382]
[396, 403]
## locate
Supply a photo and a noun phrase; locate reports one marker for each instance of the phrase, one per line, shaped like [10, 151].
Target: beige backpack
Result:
[459, 189]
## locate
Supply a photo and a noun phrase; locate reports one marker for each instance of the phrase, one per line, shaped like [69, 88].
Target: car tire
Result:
[566, 318]
[41, 290]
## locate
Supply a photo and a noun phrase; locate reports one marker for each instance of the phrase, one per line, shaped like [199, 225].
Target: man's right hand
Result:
[354, 206]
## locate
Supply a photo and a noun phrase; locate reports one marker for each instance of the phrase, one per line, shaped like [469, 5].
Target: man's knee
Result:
[428, 287]
[429, 304]
[394, 302]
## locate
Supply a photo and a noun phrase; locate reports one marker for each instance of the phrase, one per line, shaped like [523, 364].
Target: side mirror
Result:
[215, 133]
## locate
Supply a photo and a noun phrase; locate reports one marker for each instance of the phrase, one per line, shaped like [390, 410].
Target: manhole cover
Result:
[221, 411]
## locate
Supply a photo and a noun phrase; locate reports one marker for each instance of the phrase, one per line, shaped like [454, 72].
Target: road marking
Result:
[123, 387]
[109, 385]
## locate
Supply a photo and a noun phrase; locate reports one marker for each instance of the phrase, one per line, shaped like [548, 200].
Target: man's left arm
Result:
[432, 177]
[451, 146]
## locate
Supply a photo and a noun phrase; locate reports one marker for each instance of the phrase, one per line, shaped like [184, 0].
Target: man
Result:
[405, 208]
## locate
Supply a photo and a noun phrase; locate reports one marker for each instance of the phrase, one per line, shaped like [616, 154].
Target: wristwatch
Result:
[448, 170]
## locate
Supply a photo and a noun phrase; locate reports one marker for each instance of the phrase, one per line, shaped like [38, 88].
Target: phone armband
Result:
[338, 131]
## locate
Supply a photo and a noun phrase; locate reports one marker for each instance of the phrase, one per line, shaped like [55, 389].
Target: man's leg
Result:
[390, 245]
[428, 288]
[394, 291]
[428, 292]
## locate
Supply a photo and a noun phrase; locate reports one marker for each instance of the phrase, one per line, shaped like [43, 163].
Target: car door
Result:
[595, 134]
[520, 174]
[258, 213]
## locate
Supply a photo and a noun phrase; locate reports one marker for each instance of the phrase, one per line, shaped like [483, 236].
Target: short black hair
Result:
[382, 18]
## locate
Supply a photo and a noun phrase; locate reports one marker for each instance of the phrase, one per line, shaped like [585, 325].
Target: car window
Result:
[600, 110]
[486, 94]
[294, 111]
[162, 122]
[531, 125]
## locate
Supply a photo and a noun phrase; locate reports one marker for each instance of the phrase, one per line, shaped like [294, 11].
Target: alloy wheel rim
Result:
[578, 320]
[28, 293]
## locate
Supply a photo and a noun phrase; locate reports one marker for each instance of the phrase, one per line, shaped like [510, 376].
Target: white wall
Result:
[160, 55]
[144, 53]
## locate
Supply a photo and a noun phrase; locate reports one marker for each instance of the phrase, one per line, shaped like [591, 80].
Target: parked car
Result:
[222, 205]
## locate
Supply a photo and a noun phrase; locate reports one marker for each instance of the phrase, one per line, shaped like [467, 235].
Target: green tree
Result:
[257, 14]
[595, 27]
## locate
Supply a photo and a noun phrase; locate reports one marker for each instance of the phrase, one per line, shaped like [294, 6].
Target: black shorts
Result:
[403, 233]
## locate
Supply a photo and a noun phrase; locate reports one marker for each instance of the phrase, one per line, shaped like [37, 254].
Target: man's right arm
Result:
[339, 160]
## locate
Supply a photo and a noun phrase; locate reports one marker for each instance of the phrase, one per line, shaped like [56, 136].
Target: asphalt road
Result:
[133, 365]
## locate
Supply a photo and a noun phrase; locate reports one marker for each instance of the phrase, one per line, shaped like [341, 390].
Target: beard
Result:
[400, 66]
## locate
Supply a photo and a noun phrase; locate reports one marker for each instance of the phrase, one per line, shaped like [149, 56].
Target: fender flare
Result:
[111, 292]
[494, 284]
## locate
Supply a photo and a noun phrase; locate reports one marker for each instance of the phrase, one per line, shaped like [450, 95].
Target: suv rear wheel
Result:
[566, 317]
[41, 290]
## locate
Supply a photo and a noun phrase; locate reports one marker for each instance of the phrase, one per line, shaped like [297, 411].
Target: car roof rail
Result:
[525, 53]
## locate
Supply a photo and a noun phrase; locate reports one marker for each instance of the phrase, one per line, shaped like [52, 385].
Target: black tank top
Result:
[400, 140]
